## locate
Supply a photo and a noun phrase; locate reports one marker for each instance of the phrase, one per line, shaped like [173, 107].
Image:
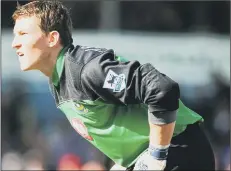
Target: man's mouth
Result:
[20, 54]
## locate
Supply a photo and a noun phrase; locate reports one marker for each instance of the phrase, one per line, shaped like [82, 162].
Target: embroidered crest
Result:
[114, 81]
[80, 108]
[79, 126]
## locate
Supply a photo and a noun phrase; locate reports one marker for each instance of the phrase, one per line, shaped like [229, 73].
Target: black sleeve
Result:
[131, 83]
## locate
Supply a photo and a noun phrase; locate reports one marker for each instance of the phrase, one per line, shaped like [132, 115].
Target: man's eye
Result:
[22, 33]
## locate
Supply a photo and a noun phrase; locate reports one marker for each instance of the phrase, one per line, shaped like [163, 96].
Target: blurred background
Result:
[187, 40]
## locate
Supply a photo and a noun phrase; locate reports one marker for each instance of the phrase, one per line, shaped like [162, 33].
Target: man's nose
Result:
[15, 43]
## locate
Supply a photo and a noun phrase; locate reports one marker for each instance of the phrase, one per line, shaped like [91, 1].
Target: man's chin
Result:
[23, 68]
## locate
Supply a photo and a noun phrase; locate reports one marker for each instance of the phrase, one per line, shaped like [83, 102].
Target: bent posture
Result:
[129, 111]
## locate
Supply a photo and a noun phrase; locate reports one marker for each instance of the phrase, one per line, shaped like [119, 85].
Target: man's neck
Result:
[48, 68]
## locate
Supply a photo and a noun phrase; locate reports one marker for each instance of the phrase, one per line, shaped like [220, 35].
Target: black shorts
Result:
[190, 150]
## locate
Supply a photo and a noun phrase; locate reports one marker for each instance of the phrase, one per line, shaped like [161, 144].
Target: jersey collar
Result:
[58, 67]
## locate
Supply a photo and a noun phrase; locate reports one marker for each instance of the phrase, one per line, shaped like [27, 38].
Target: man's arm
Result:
[161, 134]
[132, 83]
[154, 158]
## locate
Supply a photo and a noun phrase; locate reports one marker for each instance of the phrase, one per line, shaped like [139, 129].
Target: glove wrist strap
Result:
[158, 152]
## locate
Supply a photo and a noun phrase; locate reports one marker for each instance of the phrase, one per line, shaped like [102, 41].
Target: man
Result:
[131, 112]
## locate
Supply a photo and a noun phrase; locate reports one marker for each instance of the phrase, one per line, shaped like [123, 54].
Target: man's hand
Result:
[149, 161]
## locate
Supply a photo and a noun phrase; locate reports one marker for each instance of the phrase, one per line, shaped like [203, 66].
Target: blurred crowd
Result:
[36, 136]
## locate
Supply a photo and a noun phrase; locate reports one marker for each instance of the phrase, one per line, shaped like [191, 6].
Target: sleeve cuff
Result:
[162, 118]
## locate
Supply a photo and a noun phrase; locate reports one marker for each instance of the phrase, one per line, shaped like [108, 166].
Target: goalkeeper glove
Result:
[154, 158]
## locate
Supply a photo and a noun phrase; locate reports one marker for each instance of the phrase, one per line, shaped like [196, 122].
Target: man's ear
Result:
[54, 38]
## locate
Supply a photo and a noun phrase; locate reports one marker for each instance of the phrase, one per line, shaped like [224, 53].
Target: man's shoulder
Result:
[83, 54]
[92, 49]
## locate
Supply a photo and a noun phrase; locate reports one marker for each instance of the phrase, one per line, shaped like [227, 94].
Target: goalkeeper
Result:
[131, 112]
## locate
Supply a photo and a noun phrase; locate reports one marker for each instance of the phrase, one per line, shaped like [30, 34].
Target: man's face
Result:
[30, 42]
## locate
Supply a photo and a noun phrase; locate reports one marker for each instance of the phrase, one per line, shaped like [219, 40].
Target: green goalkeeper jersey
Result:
[107, 99]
